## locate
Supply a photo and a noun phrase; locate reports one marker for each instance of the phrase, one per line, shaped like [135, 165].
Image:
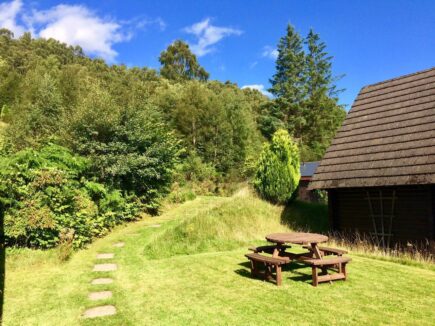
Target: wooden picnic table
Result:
[301, 238]
[313, 258]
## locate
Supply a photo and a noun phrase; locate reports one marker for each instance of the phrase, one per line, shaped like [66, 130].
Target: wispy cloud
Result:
[74, 25]
[8, 16]
[260, 88]
[146, 22]
[208, 35]
[253, 64]
[270, 52]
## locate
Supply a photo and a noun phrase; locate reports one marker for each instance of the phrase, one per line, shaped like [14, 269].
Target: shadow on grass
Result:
[304, 216]
[293, 267]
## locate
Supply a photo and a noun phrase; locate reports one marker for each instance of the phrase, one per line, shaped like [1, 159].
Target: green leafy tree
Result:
[278, 169]
[130, 148]
[179, 63]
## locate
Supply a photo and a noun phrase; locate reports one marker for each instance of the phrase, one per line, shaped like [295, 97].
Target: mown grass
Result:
[191, 271]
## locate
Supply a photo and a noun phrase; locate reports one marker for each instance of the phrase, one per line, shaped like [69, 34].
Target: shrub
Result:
[46, 197]
[278, 174]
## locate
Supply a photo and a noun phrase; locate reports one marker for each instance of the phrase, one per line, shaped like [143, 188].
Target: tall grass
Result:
[411, 254]
[220, 224]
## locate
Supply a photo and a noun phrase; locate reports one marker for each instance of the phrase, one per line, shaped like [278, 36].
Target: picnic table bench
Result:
[314, 257]
[271, 264]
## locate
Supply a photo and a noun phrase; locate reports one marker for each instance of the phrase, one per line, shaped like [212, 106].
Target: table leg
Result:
[316, 251]
[277, 250]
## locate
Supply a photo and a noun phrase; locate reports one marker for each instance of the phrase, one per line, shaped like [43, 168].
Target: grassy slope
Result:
[162, 279]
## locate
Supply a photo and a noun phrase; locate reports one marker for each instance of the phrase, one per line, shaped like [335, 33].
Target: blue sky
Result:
[235, 40]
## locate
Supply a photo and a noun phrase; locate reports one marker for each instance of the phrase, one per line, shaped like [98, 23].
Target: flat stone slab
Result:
[99, 281]
[105, 256]
[119, 244]
[101, 311]
[154, 226]
[100, 295]
[105, 267]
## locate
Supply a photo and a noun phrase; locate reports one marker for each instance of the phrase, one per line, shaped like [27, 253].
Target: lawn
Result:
[191, 271]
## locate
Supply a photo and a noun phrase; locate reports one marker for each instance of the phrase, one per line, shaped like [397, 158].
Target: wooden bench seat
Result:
[326, 251]
[339, 262]
[269, 263]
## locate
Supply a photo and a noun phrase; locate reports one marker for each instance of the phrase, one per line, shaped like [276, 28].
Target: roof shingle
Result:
[388, 137]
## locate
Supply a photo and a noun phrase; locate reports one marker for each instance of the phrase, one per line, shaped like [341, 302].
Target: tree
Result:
[179, 63]
[323, 113]
[278, 174]
[306, 102]
[287, 86]
[288, 82]
[318, 68]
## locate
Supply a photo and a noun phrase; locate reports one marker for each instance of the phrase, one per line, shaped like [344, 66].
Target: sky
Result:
[370, 40]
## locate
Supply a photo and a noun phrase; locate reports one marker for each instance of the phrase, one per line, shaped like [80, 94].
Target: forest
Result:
[86, 145]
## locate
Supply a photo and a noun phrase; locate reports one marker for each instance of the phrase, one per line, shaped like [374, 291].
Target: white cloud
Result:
[260, 88]
[8, 16]
[270, 52]
[77, 25]
[208, 35]
[253, 64]
[74, 25]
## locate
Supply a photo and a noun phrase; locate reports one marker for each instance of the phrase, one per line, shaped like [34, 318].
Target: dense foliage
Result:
[46, 194]
[134, 131]
[278, 170]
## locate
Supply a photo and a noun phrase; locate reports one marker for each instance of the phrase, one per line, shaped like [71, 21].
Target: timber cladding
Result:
[388, 137]
[406, 218]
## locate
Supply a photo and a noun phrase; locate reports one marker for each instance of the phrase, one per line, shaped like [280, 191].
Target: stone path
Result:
[105, 267]
[99, 281]
[101, 311]
[105, 256]
[100, 295]
[107, 310]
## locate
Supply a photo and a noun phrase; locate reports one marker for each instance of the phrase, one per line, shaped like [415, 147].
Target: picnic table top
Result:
[296, 237]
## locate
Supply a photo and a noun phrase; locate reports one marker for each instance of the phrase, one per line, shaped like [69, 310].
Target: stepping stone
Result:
[154, 226]
[119, 244]
[105, 256]
[99, 281]
[105, 267]
[100, 311]
[100, 295]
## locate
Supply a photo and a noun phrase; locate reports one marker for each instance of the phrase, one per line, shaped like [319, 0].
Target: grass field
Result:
[191, 271]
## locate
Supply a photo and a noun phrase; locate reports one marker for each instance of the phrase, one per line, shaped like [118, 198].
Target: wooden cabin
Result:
[380, 169]
[307, 171]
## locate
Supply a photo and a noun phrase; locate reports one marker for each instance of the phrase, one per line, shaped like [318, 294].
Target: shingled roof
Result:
[388, 137]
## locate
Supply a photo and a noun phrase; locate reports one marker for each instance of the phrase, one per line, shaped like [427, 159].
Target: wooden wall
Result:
[414, 210]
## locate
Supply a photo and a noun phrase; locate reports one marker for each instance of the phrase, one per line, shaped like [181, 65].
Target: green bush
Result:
[45, 194]
[130, 148]
[278, 169]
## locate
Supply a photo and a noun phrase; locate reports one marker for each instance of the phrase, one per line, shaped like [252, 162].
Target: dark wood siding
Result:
[413, 211]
